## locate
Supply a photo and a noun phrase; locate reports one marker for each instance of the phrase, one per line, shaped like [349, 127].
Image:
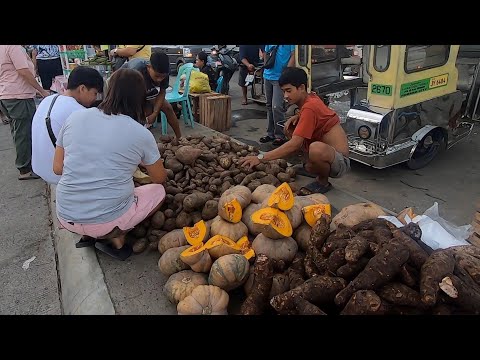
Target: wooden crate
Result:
[195, 98]
[216, 112]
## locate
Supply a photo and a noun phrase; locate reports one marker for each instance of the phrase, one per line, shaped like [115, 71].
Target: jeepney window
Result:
[323, 53]
[421, 57]
[381, 59]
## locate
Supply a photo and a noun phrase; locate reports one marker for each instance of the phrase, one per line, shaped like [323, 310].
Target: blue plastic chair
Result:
[174, 97]
[219, 84]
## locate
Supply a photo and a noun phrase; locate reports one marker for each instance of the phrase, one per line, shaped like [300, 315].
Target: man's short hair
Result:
[202, 55]
[293, 76]
[160, 63]
[83, 75]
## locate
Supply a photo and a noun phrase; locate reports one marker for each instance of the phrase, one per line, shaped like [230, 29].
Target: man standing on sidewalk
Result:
[17, 92]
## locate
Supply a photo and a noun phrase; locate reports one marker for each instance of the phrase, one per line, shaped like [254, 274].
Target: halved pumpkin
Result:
[219, 246]
[198, 257]
[274, 223]
[197, 233]
[232, 202]
[312, 213]
[233, 211]
[282, 198]
[245, 248]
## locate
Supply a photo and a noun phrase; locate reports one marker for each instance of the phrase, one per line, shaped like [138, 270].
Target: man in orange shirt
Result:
[316, 130]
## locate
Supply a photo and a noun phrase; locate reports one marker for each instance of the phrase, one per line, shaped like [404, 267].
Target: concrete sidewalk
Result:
[28, 273]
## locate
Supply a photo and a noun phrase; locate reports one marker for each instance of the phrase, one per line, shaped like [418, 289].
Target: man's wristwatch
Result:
[260, 156]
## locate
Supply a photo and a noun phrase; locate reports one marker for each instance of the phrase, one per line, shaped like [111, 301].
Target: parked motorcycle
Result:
[223, 62]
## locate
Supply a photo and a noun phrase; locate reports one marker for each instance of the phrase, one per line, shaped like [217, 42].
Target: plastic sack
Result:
[437, 232]
[199, 83]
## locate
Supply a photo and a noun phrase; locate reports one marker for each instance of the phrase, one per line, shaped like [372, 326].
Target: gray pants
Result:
[275, 108]
[21, 112]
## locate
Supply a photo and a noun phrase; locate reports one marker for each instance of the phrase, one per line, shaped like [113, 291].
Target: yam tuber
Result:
[418, 256]
[365, 302]
[400, 294]
[196, 201]
[305, 307]
[378, 272]
[438, 265]
[356, 248]
[351, 270]
[296, 271]
[257, 300]
[318, 290]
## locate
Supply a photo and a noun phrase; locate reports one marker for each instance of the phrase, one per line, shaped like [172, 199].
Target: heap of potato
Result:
[200, 169]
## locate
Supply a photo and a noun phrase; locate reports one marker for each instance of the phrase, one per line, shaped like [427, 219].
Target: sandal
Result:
[28, 176]
[85, 241]
[244, 102]
[315, 188]
[278, 142]
[266, 138]
[120, 254]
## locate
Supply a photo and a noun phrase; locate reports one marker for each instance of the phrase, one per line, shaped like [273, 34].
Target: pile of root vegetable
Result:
[353, 264]
[200, 169]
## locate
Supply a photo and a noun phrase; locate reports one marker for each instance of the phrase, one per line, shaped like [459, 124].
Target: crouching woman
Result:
[97, 152]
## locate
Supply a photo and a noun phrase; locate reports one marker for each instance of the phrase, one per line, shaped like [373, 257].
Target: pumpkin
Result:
[295, 215]
[227, 229]
[181, 284]
[282, 249]
[261, 193]
[197, 233]
[220, 245]
[302, 236]
[173, 239]
[311, 199]
[282, 197]
[313, 212]
[197, 257]
[233, 201]
[204, 300]
[353, 214]
[274, 223]
[246, 248]
[170, 261]
[253, 228]
[229, 272]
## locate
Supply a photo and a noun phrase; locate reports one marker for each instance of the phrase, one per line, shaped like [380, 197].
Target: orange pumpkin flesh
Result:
[197, 257]
[233, 210]
[219, 246]
[245, 248]
[196, 234]
[282, 198]
[276, 223]
[313, 212]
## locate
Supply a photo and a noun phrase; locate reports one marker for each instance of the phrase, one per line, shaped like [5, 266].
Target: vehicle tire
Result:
[426, 150]
[179, 65]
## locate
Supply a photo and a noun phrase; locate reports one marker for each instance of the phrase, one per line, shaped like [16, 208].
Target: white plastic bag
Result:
[437, 232]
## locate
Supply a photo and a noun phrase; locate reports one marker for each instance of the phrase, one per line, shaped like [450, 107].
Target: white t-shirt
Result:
[42, 147]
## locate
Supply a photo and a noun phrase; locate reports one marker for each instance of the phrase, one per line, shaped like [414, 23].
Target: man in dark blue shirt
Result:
[156, 75]
[249, 58]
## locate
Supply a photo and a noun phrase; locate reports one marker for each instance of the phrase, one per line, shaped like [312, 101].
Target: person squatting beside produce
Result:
[316, 130]
[156, 75]
[96, 196]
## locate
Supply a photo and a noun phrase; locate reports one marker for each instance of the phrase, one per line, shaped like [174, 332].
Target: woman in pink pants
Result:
[97, 152]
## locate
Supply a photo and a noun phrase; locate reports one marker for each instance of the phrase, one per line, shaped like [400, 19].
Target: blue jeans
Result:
[275, 108]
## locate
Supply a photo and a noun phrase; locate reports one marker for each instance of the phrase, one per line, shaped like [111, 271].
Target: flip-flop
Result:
[85, 241]
[278, 142]
[266, 138]
[120, 254]
[244, 102]
[28, 176]
[315, 188]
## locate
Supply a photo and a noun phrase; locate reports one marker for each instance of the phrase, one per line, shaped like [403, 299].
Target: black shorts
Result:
[47, 70]
[242, 74]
